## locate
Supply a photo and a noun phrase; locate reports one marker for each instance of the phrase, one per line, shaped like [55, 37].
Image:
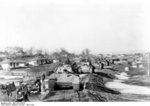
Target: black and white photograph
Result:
[74, 51]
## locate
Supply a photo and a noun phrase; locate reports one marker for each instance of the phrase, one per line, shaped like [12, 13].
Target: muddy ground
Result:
[94, 89]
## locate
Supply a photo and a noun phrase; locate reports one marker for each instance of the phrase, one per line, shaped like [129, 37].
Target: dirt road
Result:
[66, 95]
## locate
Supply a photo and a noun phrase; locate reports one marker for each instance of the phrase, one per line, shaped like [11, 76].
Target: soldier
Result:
[74, 67]
[102, 65]
[8, 90]
[43, 82]
[26, 93]
[38, 84]
[107, 62]
[93, 67]
[20, 95]
[113, 61]
[22, 92]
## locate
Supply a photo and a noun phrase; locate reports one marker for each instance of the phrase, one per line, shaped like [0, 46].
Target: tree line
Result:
[15, 52]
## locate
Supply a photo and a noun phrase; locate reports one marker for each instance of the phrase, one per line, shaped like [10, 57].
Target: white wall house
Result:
[21, 65]
[55, 61]
[33, 63]
[6, 64]
[38, 61]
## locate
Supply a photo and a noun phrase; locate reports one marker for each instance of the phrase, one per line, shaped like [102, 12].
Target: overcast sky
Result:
[101, 26]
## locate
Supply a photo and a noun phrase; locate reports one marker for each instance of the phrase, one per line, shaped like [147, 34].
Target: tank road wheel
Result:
[51, 84]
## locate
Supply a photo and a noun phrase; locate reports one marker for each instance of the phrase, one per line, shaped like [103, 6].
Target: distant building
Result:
[8, 64]
[3, 55]
[19, 63]
[39, 61]
[33, 62]
[55, 61]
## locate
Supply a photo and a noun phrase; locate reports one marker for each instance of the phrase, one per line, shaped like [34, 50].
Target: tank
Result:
[86, 68]
[64, 77]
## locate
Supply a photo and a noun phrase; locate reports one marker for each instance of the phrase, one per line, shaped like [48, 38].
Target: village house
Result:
[8, 64]
[55, 61]
[33, 62]
[3, 55]
[19, 63]
[38, 61]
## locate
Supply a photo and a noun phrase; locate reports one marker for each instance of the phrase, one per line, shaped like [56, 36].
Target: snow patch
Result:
[125, 88]
[122, 76]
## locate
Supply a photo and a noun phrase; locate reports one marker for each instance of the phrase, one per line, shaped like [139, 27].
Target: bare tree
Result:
[11, 52]
[20, 51]
[39, 52]
[31, 51]
[86, 52]
[64, 52]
